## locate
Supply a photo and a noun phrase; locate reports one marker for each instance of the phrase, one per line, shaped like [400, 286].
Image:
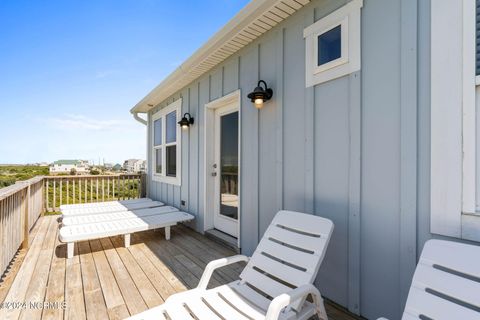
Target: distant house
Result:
[66, 166]
[134, 165]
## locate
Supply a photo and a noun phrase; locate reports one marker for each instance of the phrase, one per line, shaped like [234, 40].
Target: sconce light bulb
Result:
[258, 103]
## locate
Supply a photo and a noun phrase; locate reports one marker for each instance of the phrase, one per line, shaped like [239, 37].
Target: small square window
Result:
[329, 45]
[332, 45]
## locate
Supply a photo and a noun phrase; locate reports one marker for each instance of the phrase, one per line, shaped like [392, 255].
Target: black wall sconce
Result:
[186, 121]
[260, 95]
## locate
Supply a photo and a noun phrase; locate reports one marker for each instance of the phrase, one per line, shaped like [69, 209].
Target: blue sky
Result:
[71, 70]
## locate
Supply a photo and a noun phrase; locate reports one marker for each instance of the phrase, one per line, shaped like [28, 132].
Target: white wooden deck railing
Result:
[84, 189]
[23, 203]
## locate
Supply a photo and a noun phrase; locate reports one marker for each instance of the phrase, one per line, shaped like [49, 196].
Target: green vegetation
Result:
[88, 190]
[77, 189]
[11, 174]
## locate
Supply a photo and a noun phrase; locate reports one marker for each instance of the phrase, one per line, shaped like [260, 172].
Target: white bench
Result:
[104, 203]
[160, 217]
[112, 216]
[113, 207]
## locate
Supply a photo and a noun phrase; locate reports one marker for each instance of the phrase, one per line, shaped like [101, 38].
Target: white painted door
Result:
[226, 170]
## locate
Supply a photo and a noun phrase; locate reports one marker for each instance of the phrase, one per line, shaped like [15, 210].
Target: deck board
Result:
[95, 307]
[56, 282]
[74, 291]
[12, 270]
[18, 289]
[38, 283]
[116, 306]
[105, 280]
[143, 279]
[130, 293]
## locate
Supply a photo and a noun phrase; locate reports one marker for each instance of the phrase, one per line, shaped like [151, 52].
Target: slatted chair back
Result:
[289, 254]
[446, 283]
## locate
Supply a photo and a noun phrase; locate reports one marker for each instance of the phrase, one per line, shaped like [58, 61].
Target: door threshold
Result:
[223, 238]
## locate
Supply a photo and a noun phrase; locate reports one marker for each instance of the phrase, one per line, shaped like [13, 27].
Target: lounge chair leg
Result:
[167, 233]
[70, 250]
[127, 240]
[320, 306]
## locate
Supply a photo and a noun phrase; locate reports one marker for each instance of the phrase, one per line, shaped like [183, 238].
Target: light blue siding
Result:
[347, 149]
[380, 202]
[249, 191]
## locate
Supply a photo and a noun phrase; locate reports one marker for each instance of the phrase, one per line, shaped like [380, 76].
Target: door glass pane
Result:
[157, 132]
[158, 160]
[330, 45]
[229, 165]
[171, 159]
[171, 123]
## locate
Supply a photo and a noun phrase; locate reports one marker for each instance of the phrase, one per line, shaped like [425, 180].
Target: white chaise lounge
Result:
[446, 283]
[112, 216]
[113, 207]
[104, 203]
[283, 267]
[123, 223]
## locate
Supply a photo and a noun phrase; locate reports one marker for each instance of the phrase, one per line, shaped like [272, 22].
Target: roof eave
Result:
[189, 70]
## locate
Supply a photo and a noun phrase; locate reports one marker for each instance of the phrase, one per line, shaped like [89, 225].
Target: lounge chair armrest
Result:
[215, 264]
[285, 299]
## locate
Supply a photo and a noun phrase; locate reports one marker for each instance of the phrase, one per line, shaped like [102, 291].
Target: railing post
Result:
[46, 193]
[43, 192]
[26, 211]
[143, 185]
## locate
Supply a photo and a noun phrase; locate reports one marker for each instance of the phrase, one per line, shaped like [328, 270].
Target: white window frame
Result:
[344, 49]
[175, 106]
[453, 174]
[349, 18]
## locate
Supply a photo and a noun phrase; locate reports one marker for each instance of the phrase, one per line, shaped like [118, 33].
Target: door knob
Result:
[214, 174]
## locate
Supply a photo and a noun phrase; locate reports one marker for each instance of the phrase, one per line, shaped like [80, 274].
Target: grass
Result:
[87, 191]
[92, 190]
[11, 174]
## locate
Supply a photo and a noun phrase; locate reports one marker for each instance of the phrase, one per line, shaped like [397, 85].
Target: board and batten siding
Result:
[344, 149]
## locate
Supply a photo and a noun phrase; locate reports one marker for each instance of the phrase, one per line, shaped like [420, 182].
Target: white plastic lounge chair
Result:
[104, 203]
[114, 207]
[283, 267]
[112, 216]
[446, 283]
[73, 233]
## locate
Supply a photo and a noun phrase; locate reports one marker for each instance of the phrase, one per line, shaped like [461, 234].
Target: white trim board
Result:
[453, 127]
[469, 109]
[177, 180]
[233, 98]
[349, 18]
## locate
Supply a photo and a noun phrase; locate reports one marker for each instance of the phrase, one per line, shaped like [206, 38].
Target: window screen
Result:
[157, 132]
[330, 45]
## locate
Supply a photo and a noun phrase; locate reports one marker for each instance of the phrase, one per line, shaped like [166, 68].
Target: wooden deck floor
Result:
[105, 280]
